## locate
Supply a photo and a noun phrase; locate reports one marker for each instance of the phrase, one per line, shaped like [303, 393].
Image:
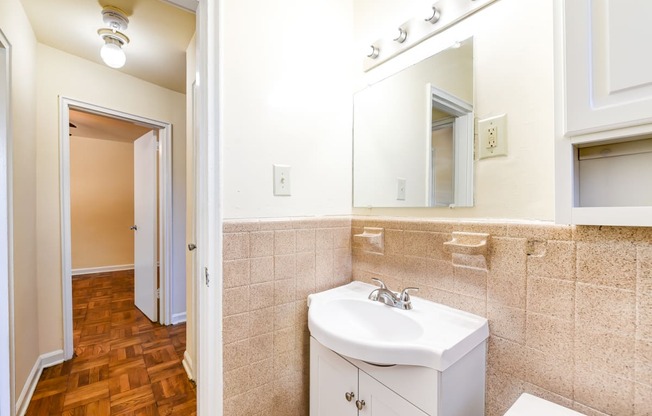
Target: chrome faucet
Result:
[384, 295]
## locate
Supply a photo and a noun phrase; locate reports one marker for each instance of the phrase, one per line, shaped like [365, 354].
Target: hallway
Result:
[123, 365]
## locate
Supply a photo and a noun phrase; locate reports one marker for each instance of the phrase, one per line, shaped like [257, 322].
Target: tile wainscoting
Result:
[270, 268]
[570, 308]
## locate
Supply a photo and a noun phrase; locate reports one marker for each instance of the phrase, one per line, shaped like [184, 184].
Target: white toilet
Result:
[529, 405]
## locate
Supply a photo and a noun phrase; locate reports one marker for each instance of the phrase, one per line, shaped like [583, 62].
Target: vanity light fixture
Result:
[401, 35]
[111, 52]
[436, 14]
[374, 51]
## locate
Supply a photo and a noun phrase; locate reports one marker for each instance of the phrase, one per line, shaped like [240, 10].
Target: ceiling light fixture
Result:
[111, 52]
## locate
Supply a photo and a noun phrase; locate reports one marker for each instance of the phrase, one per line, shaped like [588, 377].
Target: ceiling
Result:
[159, 34]
[94, 126]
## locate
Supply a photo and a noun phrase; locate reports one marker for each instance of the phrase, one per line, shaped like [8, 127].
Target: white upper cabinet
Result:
[603, 150]
[608, 64]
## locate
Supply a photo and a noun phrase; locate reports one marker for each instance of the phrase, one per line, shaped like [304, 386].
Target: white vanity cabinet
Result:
[394, 390]
[604, 112]
[337, 387]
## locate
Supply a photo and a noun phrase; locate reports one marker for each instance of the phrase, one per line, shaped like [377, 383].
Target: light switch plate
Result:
[400, 191]
[282, 180]
[492, 137]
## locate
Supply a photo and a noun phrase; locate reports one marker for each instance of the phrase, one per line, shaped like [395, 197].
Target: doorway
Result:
[164, 206]
[442, 146]
[209, 297]
[113, 198]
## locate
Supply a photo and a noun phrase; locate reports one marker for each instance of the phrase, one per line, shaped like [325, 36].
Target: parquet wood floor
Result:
[123, 365]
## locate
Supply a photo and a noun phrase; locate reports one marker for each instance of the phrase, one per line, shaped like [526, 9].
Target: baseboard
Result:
[187, 365]
[178, 318]
[43, 361]
[102, 269]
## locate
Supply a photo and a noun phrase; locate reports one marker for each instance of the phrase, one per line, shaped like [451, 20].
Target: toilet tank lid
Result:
[529, 405]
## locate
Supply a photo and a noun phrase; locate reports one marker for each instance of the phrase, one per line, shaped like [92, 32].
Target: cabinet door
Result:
[331, 377]
[608, 71]
[381, 401]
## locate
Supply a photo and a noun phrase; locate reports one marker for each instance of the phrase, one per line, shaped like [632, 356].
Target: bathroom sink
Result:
[430, 335]
[366, 320]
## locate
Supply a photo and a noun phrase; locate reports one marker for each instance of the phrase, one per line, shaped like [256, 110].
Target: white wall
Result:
[513, 59]
[62, 74]
[16, 27]
[286, 70]
[101, 202]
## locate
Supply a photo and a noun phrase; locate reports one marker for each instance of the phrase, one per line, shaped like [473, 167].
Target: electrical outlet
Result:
[492, 137]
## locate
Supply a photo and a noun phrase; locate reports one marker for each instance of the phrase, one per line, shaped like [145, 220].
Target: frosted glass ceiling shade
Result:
[112, 54]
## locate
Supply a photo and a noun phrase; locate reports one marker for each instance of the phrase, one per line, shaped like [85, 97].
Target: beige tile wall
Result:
[270, 267]
[569, 308]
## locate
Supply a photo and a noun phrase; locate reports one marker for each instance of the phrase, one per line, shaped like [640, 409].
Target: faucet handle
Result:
[405, 296]
[380, 282]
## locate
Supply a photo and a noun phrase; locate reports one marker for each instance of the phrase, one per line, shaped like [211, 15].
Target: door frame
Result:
[208, 334]
[7, 379]
[207, 306]
[165, 208]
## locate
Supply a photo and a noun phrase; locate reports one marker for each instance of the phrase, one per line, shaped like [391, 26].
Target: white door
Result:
[145, 230]
[381, 401]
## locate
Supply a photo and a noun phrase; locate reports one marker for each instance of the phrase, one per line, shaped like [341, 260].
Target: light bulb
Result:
[112, 54]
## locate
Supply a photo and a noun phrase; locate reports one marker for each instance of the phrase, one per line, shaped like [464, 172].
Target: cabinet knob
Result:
[349, 396]
[359, 404]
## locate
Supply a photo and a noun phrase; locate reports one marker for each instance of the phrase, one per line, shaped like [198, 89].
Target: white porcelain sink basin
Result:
[430, 335]
[371, 321]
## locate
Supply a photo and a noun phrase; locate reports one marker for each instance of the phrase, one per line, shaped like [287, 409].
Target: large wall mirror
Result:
[413, 135]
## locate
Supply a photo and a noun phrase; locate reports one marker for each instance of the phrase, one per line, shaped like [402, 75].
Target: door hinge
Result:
[207, 277]
[158, 293]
